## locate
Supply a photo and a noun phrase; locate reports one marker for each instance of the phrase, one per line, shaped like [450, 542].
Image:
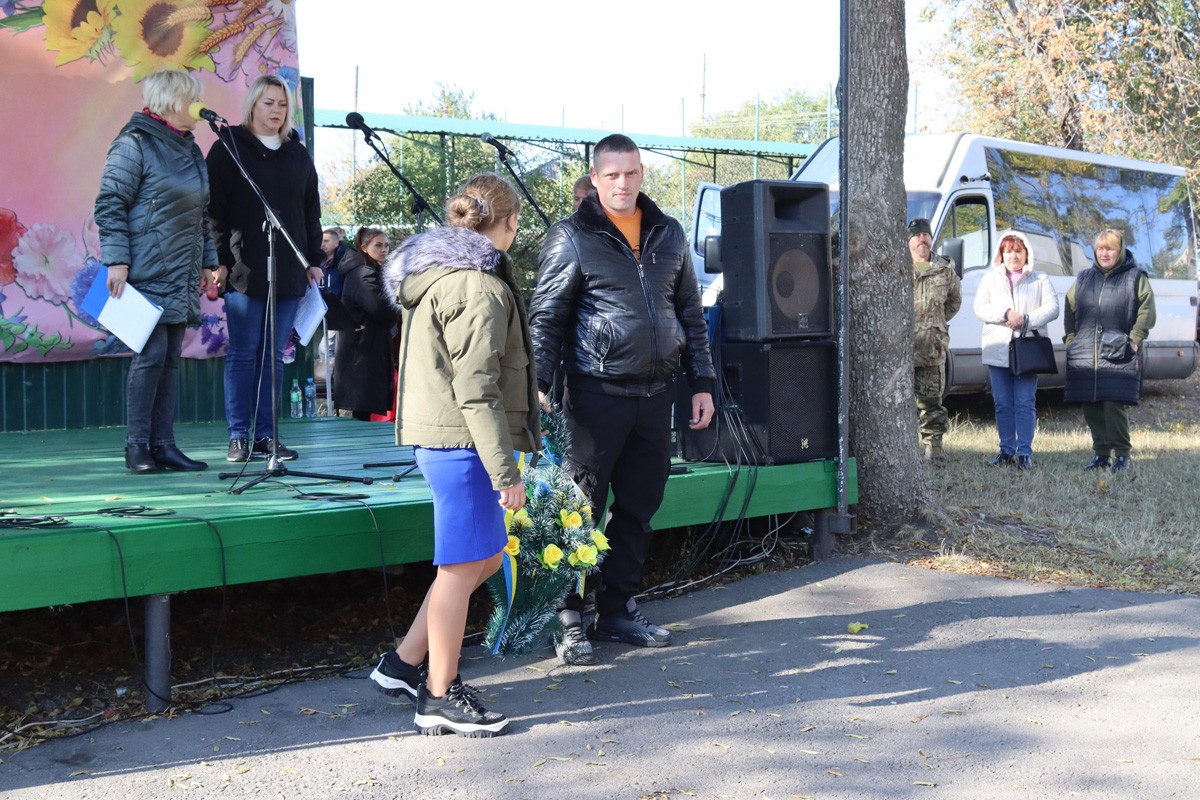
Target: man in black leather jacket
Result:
[617, 303]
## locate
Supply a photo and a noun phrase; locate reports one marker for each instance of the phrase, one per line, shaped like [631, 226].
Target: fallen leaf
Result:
[857, 627]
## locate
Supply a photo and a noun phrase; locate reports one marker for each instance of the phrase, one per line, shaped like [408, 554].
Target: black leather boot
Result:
[138, 458]
[168, 456]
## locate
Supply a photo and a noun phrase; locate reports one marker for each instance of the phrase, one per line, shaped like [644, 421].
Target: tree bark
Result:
[883, 415]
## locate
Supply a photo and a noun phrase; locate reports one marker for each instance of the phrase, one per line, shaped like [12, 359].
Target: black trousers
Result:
[622, 444]
[152, 385]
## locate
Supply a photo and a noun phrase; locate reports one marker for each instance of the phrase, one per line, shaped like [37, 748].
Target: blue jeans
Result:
[151, 386]
[1016, 410]
[247, 373]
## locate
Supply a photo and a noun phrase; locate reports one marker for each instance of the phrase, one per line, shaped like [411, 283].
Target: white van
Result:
[974, 189]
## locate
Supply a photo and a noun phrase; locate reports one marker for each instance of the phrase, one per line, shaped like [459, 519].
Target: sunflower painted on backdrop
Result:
[553, 545]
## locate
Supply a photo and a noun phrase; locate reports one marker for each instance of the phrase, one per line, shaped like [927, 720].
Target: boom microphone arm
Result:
[419, 206]
[503, 153]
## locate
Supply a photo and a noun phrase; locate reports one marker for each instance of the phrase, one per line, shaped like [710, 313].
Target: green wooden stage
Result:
[75, 526]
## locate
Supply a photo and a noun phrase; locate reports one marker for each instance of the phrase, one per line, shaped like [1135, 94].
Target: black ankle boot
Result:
[138, 458]
[168, 456]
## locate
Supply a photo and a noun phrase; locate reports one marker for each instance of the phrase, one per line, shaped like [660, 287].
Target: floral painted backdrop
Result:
[70, 80]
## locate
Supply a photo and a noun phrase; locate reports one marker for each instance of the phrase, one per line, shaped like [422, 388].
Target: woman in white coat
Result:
[1013, 296]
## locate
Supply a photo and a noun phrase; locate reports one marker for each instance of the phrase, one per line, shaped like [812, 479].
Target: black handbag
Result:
[1031, 354]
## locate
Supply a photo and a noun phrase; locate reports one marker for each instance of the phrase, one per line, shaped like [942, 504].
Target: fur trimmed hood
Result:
[1030, 260]
[439, 249]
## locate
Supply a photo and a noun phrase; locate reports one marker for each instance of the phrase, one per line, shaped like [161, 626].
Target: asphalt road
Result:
[960, 687]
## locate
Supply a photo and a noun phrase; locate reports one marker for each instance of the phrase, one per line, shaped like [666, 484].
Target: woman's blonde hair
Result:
[484, 201]
[1111, 237]
[170, 89]
[255, 93]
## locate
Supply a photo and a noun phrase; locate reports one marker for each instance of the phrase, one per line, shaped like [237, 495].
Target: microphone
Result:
[355, 120]
[487, 138]
[199, 111]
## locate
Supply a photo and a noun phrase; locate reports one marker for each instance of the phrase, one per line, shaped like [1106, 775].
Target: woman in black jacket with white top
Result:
[277, 161]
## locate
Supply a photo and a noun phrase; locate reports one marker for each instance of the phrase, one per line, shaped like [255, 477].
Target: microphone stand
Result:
[502, 152]
[419, 206]
[419, 209]
[274, 466]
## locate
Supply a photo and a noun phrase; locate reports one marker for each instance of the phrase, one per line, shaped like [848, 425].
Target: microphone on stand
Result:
[355, 120]
[199, 111]
[487, 138]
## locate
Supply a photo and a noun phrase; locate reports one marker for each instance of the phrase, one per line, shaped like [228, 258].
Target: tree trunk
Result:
[883, 415]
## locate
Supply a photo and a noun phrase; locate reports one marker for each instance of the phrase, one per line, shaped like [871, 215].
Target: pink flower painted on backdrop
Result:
[46, 261]
[11, 232]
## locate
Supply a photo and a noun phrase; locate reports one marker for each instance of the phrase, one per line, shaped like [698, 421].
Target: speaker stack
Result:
[774, 344]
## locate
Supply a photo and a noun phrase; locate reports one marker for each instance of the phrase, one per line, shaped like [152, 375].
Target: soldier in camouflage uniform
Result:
[937, 295]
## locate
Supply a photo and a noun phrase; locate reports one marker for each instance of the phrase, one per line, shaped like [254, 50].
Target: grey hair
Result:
[255, 93]
[170, 89]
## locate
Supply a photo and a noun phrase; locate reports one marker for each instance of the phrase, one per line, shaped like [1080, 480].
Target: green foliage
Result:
[1112, 77]
[793, 117]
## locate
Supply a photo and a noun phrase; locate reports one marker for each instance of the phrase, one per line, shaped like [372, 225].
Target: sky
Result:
[555, 63]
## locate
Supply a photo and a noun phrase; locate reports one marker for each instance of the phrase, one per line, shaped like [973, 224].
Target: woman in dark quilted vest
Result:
[154, 235]
[1110, 311]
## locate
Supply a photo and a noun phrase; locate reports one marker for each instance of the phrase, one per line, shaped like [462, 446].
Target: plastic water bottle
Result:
[297, 404]
[310, 399]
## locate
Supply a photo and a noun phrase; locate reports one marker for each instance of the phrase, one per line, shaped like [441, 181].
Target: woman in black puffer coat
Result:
[364, 371]
[154, 235]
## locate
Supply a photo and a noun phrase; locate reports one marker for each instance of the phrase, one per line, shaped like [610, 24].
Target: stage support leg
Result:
[158, 652]
[828, 525]
[822, 538]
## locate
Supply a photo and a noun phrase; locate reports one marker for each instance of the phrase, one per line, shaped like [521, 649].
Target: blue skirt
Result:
[468, 520]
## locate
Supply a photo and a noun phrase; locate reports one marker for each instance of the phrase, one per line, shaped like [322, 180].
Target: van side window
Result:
[1065, 203]
[969, 221]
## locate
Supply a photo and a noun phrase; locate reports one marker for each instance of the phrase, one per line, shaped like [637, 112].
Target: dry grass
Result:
[1133, 530]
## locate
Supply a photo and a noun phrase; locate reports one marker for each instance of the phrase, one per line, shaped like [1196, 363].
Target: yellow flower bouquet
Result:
[552, 545]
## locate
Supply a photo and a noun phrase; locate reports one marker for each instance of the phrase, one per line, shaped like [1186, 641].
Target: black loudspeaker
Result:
[776, 261]
[777, 405]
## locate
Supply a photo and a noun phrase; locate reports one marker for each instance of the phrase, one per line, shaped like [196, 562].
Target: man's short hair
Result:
[582, 182]
[614, 143]
[336, 231]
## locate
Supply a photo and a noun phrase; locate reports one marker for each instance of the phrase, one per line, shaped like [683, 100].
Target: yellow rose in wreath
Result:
[513, 547]
[521, 519]
[570, 519]
[584, 554]
[551, 556]
[601, 540]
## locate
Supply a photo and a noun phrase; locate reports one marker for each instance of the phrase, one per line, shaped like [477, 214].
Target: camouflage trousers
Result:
[930, 386]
